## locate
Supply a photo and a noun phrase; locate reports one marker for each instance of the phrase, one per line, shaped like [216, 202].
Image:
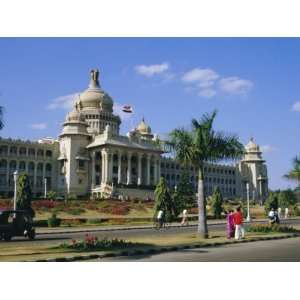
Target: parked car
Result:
[16, 223]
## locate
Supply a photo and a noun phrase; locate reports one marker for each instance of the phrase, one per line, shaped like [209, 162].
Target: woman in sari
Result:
[230, 224]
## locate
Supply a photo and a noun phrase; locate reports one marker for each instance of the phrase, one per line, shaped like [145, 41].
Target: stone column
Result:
[148, 169]
[129, 155]
[7, 173]
[261, 189]
[93, 170]
[103, 169]
[155, 171]
[119, 167]
[158, 170]
[110, 161]
[139, 180]
[34, 175]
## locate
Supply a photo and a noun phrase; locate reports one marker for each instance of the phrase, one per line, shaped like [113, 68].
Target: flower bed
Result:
[92, 243]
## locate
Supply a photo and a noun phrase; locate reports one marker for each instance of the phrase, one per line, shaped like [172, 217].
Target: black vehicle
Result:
[16, 223]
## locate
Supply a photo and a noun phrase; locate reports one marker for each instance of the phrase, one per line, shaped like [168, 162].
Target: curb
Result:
[162, 249]
[149, 227]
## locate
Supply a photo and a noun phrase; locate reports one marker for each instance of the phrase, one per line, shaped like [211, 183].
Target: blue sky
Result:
[254, 84]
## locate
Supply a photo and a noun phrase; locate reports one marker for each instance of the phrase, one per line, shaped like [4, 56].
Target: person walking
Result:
[238, 222]
[184, 217]
[230, 224]
[160, 218]
[286, 213]
[279, 212]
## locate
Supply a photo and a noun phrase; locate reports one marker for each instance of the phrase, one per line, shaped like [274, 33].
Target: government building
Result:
[90, 158]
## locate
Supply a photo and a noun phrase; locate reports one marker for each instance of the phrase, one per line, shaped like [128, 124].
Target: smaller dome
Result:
[75, 116]
[144, 128]
[252, 146]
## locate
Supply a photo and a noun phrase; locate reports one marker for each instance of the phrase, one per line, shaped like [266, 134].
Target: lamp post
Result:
[248, 203]
[16, 174]
[45, 191]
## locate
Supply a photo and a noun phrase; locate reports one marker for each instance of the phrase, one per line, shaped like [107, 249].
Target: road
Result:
[286, 250]
[54, 239]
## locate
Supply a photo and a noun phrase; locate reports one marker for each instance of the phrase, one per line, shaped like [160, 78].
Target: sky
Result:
[252, 82]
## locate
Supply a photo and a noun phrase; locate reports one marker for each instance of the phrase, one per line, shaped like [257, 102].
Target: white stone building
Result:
[91, 158]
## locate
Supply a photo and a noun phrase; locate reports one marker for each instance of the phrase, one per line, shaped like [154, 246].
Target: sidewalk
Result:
[90, 229]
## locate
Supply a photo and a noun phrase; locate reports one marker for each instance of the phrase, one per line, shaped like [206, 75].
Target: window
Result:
[49, 153]
[81, 164]
[79, 181]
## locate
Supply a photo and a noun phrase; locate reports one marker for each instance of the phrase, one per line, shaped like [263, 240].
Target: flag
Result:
[127, 109]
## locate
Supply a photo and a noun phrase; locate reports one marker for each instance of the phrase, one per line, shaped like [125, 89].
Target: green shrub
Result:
[266, 228]
[71, 196]
[53, 221]
[94, 221]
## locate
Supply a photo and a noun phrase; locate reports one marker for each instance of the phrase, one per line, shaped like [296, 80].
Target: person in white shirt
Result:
[286, 212]
[160, 218]
[184, 217]
[271, 216]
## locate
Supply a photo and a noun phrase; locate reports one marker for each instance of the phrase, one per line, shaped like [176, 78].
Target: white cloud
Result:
[267, 149]
[296, 106]
[118, 110]
[235, 85]
[39, 126]
[64, 102]
[150, 70]
[207, 93]
[204, 77]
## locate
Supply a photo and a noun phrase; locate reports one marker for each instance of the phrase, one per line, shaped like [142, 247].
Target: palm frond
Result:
[1, 117]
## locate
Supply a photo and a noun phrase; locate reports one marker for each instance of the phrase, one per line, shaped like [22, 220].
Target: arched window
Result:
[40, 152]
[13, 165]
[48, 168]
[22, 151]
[13, 150]
[3, 164]
[48, 153]
[31, 167]
[31, 152]
[22, 166]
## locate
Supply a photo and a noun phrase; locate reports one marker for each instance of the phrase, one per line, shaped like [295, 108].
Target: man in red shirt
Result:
[238, 222]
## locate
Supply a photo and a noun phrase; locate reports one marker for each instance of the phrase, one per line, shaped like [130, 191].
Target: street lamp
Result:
[45, 192]
[248, 203]
[16, 174]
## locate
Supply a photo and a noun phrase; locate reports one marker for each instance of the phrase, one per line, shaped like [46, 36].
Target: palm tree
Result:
[1, 117]
[294, 174]
[201, 145]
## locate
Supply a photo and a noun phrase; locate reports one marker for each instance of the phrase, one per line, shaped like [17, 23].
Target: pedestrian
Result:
[160, 218]
[286, 213]
[184, 217]
[230, 224]
[238, 222]
[271, 216]
[279, 212]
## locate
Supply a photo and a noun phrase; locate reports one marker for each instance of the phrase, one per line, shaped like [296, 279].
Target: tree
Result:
[200, 145]
[163, 200]
[24, 194]
[217, 203]
[271, 202]
[184, 195]
[1, 117]
[286, 198]
[294, 173]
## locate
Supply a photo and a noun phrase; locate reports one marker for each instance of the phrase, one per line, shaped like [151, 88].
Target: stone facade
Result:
[91, 158]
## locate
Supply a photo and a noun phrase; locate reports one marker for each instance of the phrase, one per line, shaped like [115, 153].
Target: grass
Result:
[156, 241]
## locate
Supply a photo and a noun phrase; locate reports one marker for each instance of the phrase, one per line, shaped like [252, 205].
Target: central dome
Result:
[252, 146]
[144, 128]
[94, 97]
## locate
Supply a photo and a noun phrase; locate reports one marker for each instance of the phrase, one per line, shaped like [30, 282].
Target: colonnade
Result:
[124, 167]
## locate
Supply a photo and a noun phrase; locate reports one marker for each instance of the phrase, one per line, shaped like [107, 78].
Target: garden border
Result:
[136, 252]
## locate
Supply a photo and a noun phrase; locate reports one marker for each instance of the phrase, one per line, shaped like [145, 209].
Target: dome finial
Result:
[94, 78]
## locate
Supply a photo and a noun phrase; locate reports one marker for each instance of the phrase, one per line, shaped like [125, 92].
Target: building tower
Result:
[97, 107]
[74, 158]
[253, 171]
